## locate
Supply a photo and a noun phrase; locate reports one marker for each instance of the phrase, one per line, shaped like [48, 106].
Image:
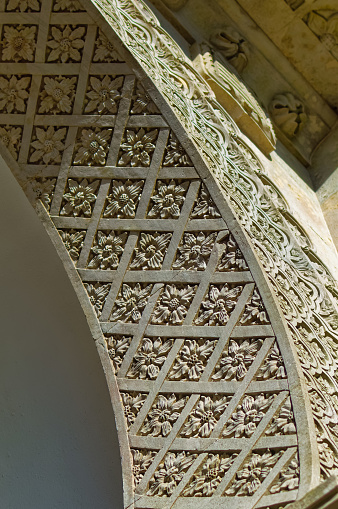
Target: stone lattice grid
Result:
[200, 280]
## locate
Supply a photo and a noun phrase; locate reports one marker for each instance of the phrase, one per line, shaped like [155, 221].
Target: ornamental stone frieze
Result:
[215, 320]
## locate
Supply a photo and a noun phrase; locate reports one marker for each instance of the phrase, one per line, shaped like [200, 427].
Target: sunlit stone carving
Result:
[288, 113]
[139, 195]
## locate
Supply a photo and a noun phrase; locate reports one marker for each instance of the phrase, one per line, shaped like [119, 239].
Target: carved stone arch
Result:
[139, 173]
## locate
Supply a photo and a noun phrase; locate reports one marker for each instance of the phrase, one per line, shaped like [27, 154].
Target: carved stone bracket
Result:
[234, 96]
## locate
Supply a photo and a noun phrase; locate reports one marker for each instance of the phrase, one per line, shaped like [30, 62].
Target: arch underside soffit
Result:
[215, 320]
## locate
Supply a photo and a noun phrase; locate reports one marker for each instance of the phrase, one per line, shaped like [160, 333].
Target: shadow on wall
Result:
[58, 442]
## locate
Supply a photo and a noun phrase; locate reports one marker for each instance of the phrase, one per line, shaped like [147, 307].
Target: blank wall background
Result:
[58, 444]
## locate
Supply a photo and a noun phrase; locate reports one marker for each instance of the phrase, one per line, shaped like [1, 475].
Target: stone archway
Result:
[165, 223]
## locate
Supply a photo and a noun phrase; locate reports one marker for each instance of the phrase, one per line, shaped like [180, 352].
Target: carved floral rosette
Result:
[165, 244]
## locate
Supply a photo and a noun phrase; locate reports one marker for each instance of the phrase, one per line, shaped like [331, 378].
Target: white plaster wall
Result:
[58, 443]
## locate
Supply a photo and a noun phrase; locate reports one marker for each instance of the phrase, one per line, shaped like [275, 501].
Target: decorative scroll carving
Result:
[199, 346]
[288, 113]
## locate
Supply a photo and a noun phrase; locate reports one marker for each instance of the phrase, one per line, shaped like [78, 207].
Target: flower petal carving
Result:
[10, 137]
[149, 359]
[41, 189]
[191, 359]
[218, 305]
[66, 44]
[162, 415]
[57, 95]
[232, 258]
[104, 94]
[175, 154]
[236, 359]
[123, 199]
[205, 207]
[23, 5]
[142, 102]
[151, 250]
[130, 303]
[73, 241]
[255, 312]
[283, 423]
[48, 145]
[93, 147]
[253, 473]
[14, 93]
[170, 473]
[18, 43]
[132, 403]
[247, 416]
[79, 198]
[117, 348]
[142, 460]
[105, 51]
[173, 305]
[195, 251]
[107, 250]
[208, 477]
[204, 417]
[168, 200]
[137, 147]
[273, 366]
[97, 294]
[324, 23]
[67, 6]
[288, 479]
